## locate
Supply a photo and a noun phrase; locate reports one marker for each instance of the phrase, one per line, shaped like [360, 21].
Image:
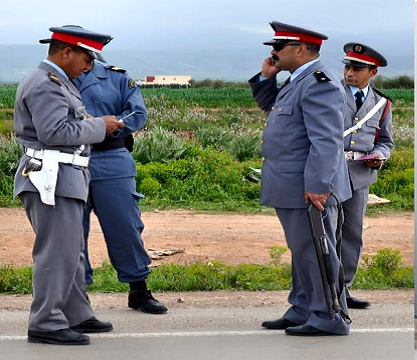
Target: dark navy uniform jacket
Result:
[108, 90]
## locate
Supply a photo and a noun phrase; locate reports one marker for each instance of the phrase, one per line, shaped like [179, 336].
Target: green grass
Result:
[7, 96]
[400, 97]
[382, 271]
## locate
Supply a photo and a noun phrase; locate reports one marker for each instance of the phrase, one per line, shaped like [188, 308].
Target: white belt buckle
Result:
[349, 155]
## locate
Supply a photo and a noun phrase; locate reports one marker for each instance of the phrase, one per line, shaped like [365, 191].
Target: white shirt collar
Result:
[355, 89]
[302, 68]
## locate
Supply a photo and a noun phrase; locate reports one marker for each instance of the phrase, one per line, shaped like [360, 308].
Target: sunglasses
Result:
[279, 47]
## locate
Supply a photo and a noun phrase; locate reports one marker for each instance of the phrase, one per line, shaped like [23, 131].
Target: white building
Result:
[166, 80]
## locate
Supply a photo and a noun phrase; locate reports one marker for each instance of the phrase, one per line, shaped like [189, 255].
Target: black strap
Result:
[109, 144]
[340, 221]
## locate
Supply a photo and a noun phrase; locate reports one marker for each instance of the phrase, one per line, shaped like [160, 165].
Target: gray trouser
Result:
[354, 211]
[307, 296]
[59, 297]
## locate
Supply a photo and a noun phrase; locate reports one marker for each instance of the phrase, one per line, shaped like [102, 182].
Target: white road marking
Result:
[212, 333]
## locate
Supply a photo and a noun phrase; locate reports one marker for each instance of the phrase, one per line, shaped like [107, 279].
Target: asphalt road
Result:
[383, 332]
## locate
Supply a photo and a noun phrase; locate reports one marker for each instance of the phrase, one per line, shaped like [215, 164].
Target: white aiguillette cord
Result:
[371, 113]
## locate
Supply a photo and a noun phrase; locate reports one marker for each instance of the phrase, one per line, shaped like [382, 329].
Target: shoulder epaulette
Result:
[115, 68]
[381, 94]
[55, 79]
[321, 76]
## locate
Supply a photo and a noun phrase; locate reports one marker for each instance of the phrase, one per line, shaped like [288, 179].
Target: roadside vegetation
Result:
[382, 271]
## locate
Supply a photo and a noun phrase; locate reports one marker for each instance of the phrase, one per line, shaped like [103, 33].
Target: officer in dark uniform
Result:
[303, 162]
[108, 89]
[368, 123]
[52, 182]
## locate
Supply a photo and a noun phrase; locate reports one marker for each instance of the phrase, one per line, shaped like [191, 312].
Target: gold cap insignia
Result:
[358, 48]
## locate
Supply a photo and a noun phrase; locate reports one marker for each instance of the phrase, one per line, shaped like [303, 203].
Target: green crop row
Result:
[206, 97]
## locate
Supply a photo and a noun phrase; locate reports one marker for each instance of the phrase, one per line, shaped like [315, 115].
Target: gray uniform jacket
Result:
[363, 140]
[303, 138]
[47, 117]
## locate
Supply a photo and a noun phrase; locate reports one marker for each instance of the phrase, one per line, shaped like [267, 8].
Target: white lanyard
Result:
[371, 113]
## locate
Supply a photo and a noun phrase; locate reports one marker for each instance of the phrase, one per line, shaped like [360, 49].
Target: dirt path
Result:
[232, 239]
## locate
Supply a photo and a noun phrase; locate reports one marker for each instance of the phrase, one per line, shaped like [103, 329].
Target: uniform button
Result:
[266, 124]
[355, 131]
[352, 142]
[273, 108]
[262, 141]
[356, 119]
[263, 159]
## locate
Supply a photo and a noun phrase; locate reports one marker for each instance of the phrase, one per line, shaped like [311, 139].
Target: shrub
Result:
[396, 179]
[399, 82]
[149, 187]
[387, 260]
[246, 146]
[15, 280]
[10, 152]
[160, 145]
[216, 137]
[383, 271]
[275, 252]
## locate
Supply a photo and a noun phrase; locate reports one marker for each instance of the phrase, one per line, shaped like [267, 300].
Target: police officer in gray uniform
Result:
[303, 162]
[368, 123]
[52, 182]
[109, 89]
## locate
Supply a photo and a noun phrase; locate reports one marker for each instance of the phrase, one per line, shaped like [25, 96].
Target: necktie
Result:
[358, 99]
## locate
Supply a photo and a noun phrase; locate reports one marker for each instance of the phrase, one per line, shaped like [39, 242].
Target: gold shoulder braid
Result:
[115, 68]
[54, 78]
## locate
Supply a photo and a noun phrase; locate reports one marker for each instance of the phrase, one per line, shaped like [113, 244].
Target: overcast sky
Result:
[25, 22]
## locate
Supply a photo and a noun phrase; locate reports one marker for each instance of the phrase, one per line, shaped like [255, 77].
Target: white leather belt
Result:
[65, 158]
[353, 155]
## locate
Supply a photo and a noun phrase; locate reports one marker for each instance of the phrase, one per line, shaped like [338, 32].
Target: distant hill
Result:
[226, 54]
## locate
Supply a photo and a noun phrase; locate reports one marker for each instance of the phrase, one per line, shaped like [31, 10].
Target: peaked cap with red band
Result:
[285, 33]
[362, 55]
[89, 41]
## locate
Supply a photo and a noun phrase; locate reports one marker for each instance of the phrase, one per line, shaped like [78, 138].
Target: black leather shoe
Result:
[58, 337]
[279, 324]
[355, 303]
[141, 298]
[306, 330]
[92, 325]
[146, 302]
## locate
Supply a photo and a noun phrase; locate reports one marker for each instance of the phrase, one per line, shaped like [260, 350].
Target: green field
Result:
[206, 97]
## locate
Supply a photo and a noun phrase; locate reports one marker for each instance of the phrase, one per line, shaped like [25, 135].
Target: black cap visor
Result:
[276, 42]
[357, 63]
